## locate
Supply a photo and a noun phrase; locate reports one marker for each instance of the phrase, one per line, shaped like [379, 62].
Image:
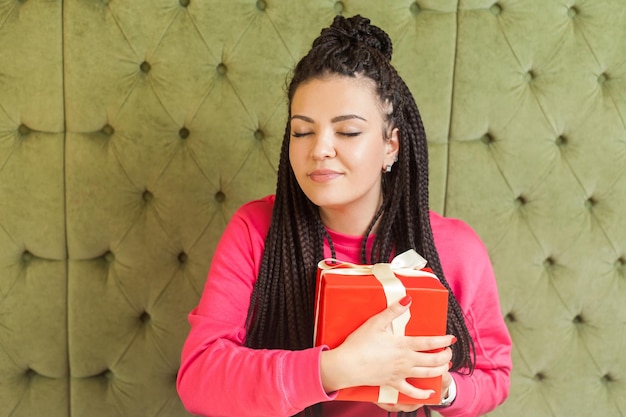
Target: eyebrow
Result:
[333, 120]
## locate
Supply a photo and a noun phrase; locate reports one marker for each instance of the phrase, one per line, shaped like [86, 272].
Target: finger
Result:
[440, 358]
[428, 372]
[427, 359]
[431, 344]
[419, 394]
[385, 317]
[394, 408]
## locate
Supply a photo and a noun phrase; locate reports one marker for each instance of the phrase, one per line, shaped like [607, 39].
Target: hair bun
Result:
[360, 31]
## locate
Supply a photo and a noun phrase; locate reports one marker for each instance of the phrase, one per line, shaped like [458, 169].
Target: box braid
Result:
[281, 313]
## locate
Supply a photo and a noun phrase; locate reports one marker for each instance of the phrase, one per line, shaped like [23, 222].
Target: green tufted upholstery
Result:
[131, 130]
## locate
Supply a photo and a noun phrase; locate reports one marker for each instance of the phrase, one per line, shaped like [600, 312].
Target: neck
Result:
[353, 222]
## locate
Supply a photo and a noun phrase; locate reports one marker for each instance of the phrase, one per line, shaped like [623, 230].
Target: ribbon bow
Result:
[408, 263]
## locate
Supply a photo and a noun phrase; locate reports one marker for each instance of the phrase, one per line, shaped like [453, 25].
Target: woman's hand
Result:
[373, 356]
[407, 408]
[394, 408]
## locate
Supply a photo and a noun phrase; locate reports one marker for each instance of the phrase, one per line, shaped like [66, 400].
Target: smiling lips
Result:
[324, 175]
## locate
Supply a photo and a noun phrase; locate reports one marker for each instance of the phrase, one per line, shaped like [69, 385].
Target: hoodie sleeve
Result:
[468, 270]
[218, 375]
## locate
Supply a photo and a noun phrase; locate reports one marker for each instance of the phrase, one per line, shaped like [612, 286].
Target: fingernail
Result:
[405, 301]
[453, 340]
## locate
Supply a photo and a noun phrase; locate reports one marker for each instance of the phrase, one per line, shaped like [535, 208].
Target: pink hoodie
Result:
[220, 377]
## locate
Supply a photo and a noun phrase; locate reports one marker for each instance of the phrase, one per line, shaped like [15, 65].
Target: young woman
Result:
[352, 185]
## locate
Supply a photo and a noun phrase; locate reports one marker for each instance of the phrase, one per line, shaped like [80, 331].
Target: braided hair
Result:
[281, 313]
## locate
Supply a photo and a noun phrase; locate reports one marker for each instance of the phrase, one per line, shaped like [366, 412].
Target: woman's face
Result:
[338, 148]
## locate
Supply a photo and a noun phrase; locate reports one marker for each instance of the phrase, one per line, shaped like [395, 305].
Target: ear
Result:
[392, 147]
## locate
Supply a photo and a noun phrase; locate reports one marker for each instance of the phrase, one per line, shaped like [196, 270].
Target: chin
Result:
[321, 199]
[329, 202]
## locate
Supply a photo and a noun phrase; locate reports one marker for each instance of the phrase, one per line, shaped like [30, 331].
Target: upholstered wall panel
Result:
[131, 130]
[141, 212]
[33, 329]
[537, 157]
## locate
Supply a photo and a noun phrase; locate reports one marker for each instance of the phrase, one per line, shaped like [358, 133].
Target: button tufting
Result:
[487, 139]
[109, 257]
[30, 373]
[591, 202]
[259, 134]
[147, 196]
[145, 67]
[578, 319]
[607, 378]
[182, 258]
[23, 130]
[549, 262]
[510, 317]
[572, 12]
[602, 78]
[183, 133]
[415, 8]
[620, 263]
[184, 3]
[561, 141]
[261, 5]
[27, 256]
[495, 9]
[339, 7]
[539, 376]
[521, 201]
[107, 130]
[220, 196]
[144, 317]
[221, 68]
[529, 76]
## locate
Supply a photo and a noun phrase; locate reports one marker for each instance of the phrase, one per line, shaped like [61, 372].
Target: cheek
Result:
[368, 156]
[295, 157]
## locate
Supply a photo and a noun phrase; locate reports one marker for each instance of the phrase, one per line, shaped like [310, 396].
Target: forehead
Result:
[337, 94]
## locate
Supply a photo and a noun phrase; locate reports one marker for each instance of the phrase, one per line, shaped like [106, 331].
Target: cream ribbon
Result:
[407, 263]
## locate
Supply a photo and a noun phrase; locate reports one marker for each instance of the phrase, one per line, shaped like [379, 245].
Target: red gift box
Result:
[349, 294]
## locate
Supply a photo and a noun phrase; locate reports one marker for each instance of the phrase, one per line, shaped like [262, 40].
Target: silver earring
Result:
[388, 168]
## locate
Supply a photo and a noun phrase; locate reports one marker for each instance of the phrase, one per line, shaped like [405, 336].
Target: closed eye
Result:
[350, 134]
[300, 134]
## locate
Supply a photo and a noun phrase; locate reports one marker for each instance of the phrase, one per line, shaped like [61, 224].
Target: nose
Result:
[323, 146]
